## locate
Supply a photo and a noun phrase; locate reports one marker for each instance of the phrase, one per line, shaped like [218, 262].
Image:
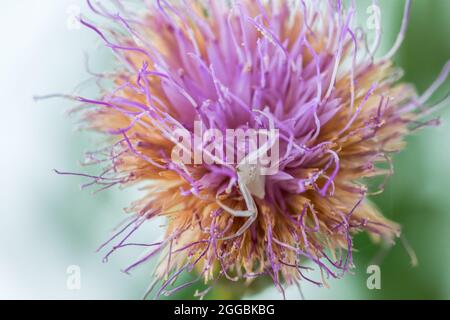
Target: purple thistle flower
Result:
[306, 72]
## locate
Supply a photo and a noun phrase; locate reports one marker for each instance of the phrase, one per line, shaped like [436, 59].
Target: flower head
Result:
[302, 70]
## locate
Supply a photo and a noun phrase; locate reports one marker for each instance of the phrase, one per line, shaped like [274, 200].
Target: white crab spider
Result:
[251, 183]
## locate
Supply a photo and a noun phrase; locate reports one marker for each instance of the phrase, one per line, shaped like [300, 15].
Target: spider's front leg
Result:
[251, 213]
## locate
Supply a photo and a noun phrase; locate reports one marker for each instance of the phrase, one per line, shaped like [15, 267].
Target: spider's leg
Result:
[251, 212]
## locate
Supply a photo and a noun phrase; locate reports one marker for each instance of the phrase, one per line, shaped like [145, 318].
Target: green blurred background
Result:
[48, 224]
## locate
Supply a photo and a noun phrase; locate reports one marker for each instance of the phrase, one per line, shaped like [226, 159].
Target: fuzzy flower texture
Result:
[302, 68]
